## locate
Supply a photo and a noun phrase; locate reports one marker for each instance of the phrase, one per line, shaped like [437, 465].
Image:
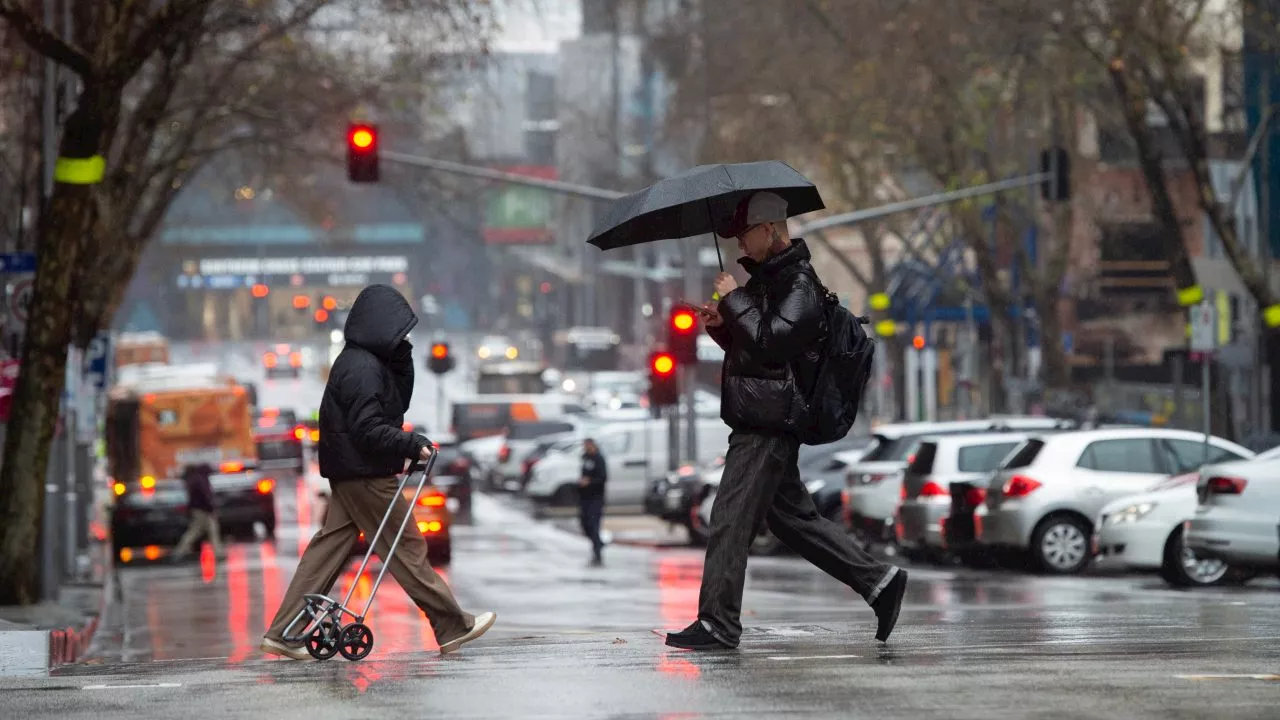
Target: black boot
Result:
[888, 604]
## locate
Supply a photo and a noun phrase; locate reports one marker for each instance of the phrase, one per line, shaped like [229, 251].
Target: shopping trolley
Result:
[324, 633]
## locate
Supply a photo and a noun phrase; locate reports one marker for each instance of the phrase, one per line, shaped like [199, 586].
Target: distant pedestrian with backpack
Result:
[202, 510]
[795, 366]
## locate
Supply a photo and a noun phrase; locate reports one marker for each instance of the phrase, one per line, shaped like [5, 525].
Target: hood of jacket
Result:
[379, 320]
[794, 253]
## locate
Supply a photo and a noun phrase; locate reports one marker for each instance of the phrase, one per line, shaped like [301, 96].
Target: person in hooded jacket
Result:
[772, 331]
[363, 447]
[203, 511]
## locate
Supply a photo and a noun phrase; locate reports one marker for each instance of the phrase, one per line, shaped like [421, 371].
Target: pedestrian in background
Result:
[201, 513]
[595, 473]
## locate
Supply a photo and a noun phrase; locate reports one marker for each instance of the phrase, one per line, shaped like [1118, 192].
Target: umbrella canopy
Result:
[699, 201]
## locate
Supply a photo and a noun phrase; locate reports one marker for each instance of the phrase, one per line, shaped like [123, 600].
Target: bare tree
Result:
[162, 88]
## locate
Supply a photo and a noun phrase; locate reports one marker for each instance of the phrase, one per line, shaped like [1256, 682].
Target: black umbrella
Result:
[699, 201]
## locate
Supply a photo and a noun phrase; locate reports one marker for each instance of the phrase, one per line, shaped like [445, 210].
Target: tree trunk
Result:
[65, 227]
[1053, 357]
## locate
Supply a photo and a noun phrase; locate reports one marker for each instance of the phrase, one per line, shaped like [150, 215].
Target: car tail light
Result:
[407, 427]
[429, 526]
[902, 492]
[361, 538]
[270, 360]
[151, 552]
[1020, 486]
[973, 497]
[147, 482]
[231, 467]
[299, 433]
[933, 489]
[315, 436]
[295, 359]
[1222, 485]
[432, 500]
[504, 453]
[266, 485]
[126, 554]
[118, 489]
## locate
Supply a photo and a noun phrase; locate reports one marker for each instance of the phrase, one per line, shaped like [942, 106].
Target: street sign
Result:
[20, 302]
[95, 362]
[1204, 328]
[16, 262]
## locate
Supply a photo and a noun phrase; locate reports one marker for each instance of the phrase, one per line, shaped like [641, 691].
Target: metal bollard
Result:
[51, 524]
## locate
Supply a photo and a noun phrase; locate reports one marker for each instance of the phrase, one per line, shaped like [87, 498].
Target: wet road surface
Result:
[574, 641]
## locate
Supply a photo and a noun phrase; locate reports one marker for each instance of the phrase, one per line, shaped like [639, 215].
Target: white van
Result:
[634, 451]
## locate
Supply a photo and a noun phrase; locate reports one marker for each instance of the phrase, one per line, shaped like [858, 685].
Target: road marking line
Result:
[130, 687]
[811, 657]
[1247, 676]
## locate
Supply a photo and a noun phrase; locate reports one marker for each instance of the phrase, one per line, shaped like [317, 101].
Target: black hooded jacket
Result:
[771, 337]
[369, 388]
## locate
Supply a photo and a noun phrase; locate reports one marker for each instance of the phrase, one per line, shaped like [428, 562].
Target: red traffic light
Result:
[663, 364]
[440, 350]
[683, 321]
[322, 315]
[362, 137]
[918, 342]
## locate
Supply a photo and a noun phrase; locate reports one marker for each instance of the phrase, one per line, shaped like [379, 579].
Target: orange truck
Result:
[140, 349]
[160, 420]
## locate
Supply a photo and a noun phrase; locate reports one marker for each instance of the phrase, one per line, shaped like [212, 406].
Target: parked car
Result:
[873, 487]
[1044, 499]
[1237, 518]
[926, 485]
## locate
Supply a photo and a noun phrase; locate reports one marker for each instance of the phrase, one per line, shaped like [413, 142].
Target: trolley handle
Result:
[418, 466]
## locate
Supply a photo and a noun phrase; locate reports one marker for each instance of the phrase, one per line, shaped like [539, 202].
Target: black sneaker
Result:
[696, 637]
[888, 604]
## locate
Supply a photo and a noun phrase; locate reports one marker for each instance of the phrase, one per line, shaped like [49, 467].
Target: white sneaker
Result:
[484, 621]
[275, 647]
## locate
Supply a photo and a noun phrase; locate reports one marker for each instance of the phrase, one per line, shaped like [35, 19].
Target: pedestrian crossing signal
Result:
[362, 153]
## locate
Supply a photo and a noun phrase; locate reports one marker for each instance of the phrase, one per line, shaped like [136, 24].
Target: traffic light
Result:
[682, 335]
[663, 390]
[1057, 164]
[440, 361]
[362, 153]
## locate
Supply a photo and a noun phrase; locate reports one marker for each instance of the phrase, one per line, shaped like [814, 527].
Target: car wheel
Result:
[566, 496]
[699, 533]
[1060, 545]
[440, 554]
[1183, 568]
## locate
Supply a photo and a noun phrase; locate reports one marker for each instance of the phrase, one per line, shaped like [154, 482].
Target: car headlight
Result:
[569, 385]
[814, 486]
[1132, 514]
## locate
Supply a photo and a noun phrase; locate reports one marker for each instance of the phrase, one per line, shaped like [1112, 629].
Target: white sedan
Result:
[1145, 532]
[1238, 516]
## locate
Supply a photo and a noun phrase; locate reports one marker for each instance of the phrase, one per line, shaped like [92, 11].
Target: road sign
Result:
[16, 262]
[95, 362]
[20, 302]
[1204, 328]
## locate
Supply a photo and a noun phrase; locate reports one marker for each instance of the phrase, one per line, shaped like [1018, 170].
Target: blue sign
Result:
[1068, 342]
[95, 361]
[17, 262]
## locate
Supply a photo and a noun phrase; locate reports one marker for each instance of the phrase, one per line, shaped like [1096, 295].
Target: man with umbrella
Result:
[773, 332]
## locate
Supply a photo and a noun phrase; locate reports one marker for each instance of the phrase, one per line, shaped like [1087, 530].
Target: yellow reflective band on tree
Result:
[80, 171]
[1271, 316]
[886, 328]
[1190, 295]
[880, 301]
[1188, 328]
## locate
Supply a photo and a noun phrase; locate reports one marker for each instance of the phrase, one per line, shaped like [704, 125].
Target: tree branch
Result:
[45, 41]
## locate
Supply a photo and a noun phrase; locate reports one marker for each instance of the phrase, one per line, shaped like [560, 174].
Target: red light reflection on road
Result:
[238, 604]
[208, 564]
[678, 582]
[271, 589]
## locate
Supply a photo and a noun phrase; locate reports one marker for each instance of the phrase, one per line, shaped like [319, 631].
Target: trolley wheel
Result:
[322, 642]
[356, 641]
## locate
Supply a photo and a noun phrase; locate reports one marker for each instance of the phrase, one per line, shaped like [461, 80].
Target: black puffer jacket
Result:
[369, 388]
[771, 337]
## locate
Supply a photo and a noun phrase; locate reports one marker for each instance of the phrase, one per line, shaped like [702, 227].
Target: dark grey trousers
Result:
[761, 483]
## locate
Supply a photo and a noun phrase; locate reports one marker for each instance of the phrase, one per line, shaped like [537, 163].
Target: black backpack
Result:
[844, 369]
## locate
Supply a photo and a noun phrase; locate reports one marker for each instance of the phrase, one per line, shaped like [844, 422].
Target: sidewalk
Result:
[37, 638]
[635, 530]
